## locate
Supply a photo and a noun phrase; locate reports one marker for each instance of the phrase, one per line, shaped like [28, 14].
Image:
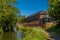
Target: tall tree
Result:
[8, 14]
[54, 9]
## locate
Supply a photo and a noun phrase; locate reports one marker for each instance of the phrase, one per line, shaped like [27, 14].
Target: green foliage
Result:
[8, 14]
[21, 19]
[33, 33]
[54, 8]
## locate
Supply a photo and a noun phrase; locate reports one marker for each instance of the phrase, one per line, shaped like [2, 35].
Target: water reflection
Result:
[11, 36]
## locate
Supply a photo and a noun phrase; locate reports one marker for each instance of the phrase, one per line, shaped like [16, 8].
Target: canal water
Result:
[11, 36]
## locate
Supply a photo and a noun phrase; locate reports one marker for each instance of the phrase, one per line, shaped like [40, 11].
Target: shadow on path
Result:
[53, 36]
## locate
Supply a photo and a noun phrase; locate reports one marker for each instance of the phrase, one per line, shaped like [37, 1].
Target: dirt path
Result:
[53, 36]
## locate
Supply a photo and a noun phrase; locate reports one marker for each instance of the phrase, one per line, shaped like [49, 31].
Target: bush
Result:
[33, 33]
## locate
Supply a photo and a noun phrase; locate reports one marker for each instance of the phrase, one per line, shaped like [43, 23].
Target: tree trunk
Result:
[4, 29]
[12, 29]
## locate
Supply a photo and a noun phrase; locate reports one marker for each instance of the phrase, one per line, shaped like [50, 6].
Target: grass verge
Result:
[33, 33]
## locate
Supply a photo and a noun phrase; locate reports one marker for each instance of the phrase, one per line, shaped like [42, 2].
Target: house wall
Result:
[36, 20]
[49, 24]
[42, 16]
[32, 21]
[41, 19]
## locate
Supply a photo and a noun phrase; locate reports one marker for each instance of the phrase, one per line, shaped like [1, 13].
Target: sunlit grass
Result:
[33, 33]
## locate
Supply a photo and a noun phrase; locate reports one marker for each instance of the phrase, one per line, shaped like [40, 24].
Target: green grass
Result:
[33, 33]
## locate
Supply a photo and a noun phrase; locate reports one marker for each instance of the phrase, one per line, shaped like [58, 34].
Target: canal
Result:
[11, 35]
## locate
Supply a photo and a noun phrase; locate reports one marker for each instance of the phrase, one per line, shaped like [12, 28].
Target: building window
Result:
[49, 20]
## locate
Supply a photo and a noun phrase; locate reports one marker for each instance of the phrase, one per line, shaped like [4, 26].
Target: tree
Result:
[54, 9]
[8, 14]
[21, 19]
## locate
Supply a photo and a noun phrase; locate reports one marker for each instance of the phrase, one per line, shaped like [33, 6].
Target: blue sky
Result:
[28, 7]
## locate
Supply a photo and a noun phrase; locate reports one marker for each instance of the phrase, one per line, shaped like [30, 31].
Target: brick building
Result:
[38, 19]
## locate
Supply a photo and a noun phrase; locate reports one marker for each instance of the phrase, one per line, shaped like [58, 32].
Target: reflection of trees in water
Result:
[0, 36]
[9, 36]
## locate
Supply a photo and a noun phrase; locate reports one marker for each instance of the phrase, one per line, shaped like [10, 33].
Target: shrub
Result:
[33, 34]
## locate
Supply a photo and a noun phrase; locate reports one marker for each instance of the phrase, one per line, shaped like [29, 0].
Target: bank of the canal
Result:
[33, 33]
[25, 33]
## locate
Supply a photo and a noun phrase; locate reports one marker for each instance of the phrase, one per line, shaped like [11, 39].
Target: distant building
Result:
[38, 19]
